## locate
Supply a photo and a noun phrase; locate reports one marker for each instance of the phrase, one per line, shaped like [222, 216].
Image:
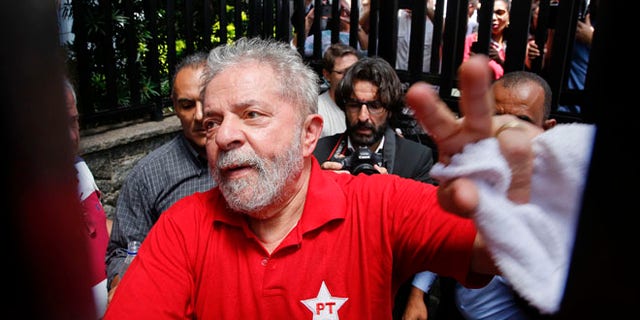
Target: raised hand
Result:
[451, 134]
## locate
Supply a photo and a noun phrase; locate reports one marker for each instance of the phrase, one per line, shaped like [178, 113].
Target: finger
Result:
[476, 100]
[331, 165]
[516, 147]
[459, 196]
[433, 114]
[381, 170]
[519, 156]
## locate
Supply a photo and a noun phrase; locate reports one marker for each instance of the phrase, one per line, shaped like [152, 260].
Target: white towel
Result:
[530, 243]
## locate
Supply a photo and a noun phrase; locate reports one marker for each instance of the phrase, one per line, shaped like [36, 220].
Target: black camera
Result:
[360, 161]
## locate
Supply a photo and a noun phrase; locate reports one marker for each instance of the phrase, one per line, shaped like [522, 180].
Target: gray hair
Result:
[298, 82]
[69, 86]
[194, 60]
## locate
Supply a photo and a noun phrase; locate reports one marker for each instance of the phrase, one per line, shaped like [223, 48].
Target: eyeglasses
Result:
[373, 106]
[339, 72]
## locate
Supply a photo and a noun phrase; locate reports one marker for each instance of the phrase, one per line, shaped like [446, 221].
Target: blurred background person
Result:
[498, 43]
[335, 62]
[97, 226]
[404, 37]
[176, 169]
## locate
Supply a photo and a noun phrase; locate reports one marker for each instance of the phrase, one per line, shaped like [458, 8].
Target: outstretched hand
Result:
[451, 134]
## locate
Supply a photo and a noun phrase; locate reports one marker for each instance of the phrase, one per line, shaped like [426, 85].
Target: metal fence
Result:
[123, 53]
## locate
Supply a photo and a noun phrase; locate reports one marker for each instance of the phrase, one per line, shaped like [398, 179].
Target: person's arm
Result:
[363, 38]
[487, 172]
[159, 274]
[451, 135]
[416, 308]
[308, 22]
[584, 31]
[132, 221]
[431, 10]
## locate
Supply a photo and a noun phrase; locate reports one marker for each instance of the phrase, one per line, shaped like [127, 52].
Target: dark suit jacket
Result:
[402, 157]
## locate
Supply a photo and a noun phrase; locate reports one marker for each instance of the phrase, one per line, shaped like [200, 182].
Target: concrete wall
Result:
[111, 153]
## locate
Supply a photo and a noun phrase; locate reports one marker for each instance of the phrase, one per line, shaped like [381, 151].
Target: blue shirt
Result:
[495, 301]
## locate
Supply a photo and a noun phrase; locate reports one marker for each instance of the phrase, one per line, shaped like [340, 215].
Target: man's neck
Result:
[374, 147]
[277, 223]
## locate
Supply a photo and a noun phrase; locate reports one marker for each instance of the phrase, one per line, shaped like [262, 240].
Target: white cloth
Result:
[86, 183]
[335, 121]
[530, 243]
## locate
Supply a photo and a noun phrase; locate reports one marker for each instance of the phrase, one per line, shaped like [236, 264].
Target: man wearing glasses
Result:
[335, 62]
[371, 96]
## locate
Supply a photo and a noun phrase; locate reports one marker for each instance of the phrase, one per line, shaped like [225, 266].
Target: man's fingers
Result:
[459, 196]
[476, 102]
[515, 138]
[432, 113]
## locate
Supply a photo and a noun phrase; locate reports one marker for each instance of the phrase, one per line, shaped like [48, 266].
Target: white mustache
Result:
[236, 158]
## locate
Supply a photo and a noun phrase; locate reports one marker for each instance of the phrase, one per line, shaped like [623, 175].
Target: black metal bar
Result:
[298, 24]
[317, 33]
[334, 22]
[223, 20]
[82, 73]
[188, 25]
[452, 49]
[238, 23]
[283, 26]
[388, 31]
[131, 47]
[254, 21]
[436, 43]
[485, 14]
[207, 24]
[374, 22]
[268, 16]
[541, 34]
[416, 43]
[172, 58]
[107, 55]
[517, 35]
[562, 46]
[153, 61]
[101, 69]
[354, 24]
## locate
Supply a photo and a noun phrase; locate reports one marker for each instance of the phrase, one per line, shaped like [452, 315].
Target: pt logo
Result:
[324, 306]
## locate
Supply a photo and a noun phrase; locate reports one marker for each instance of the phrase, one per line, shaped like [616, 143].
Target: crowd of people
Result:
[281, 200]
[268, 176]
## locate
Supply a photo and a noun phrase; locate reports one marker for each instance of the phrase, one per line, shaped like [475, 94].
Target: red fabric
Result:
[95, 222]
[201, 261]
[497, 69]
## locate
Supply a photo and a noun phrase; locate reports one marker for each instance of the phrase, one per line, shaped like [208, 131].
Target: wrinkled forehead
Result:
[244, 82]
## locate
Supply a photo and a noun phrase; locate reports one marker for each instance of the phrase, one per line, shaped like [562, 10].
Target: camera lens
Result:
[365, 168]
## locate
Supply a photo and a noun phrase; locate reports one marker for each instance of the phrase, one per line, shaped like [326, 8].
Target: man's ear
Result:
[311, 131]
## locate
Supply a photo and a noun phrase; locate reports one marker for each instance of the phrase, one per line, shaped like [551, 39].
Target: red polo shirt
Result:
[357, 240]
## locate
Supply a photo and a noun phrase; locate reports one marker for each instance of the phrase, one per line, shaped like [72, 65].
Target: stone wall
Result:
[111, 153]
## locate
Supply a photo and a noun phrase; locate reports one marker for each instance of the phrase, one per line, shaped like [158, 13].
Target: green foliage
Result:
[109, 35]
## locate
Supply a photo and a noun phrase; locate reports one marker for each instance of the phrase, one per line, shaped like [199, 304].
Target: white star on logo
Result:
[324, 306]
